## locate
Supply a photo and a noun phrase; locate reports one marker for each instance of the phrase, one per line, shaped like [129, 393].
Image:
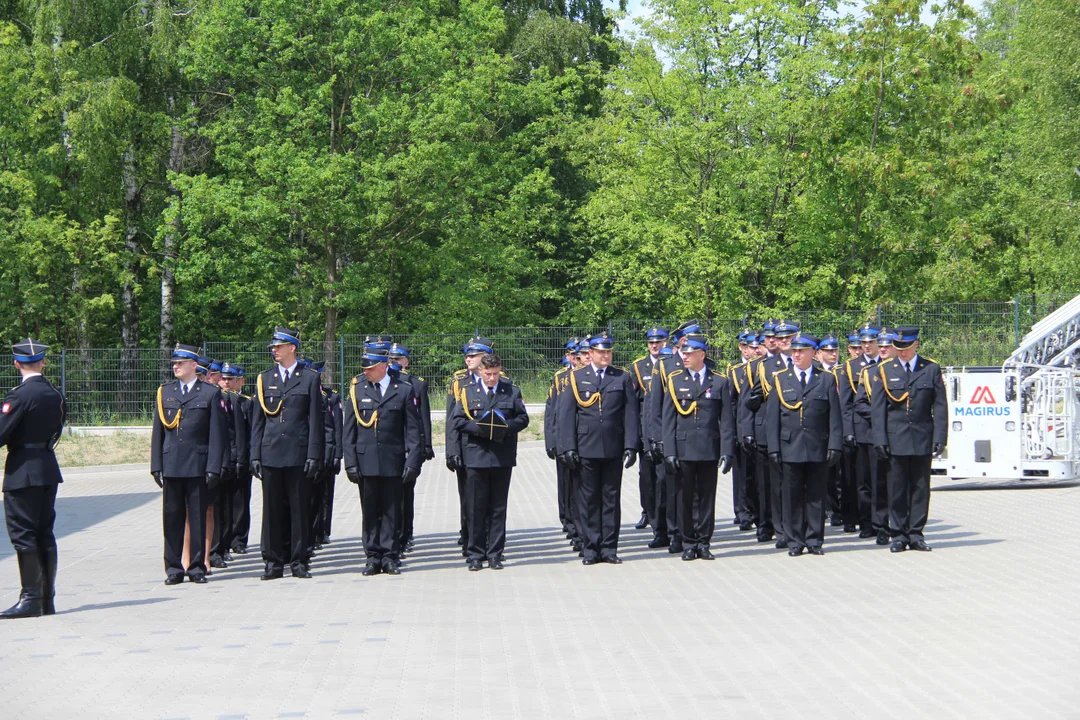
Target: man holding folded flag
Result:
[488, 417]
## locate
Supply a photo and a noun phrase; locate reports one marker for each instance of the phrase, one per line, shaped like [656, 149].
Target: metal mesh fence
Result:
[108, 386]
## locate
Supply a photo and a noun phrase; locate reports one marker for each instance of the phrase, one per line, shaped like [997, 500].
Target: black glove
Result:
[849, 442]
[452, 462]
[337, 467]
[833, 457]
[551, 453]
[882, 451]
[311, 467]
[725, 463]
[571, 459]
[241, 469]
[429, 453]
[774, 461]
[656, 452]
[748, 444]
[629, 457]
[672, 464]
[757, 396]
[212, 480]
[353, 474]
[227, 473]
[937, 449]
[157, 479]
[256, 468]
[409, 474]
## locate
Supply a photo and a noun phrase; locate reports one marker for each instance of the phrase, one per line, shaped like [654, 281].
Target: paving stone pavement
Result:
[985, 626]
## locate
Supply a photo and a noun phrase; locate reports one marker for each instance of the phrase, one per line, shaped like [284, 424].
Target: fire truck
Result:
[1018, 421]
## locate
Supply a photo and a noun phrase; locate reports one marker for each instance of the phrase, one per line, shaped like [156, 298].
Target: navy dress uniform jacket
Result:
[336, 413]
[391, 439]
[287, 422]
[420, 387]
[481, 452]
[646, 377]
[599, 429]
[707, 430]
[653, 409]
[803, 424]
[199, 443]
[910, 413]
[33, 413]
[558, 383]
[849, 384]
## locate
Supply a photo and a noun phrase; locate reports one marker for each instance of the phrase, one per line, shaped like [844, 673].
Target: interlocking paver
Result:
[985, 626]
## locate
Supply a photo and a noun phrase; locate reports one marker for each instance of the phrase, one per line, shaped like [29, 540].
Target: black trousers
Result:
[849, 487]
[744, 469]
[659, 518]
[565, 487]
[599, 505]
[672, 494]
[241, 505]
[697, 513]
[488, 490]
[833, 487]
[770, 502]
[328, 506]
[577, 525]
[316, 499]
[804, 497]
[872, 479]
[463, 502]
[408, 509]
[647, 485]
[223, 514]
[181, 499]
[909, 495]
[285, 490]
[380, 501]
[31, 513]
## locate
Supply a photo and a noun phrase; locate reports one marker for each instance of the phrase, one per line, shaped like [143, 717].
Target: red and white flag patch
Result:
[6, 408]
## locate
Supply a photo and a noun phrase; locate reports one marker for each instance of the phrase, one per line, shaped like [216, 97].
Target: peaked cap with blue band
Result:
[185, 352]
[905, 336]
[804, 341]
[688, 327]
[285, 336]
[656, 333]
[601, 342]
[829, 341]
[29, 351]
[232, 370]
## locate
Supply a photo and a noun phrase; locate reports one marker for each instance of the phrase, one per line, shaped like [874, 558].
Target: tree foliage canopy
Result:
[172, 170]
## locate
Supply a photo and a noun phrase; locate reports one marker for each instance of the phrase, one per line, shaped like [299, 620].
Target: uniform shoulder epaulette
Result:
[674, 372]
[246, 397]
[637, 360]
[460, 373]
[831, 371]
[167, 382]
[355, 380]
[560, 371]
[619, 367]
[419, 377]
[929, 359]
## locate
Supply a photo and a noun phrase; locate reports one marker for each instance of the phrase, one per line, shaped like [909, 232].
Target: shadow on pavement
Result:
[74, 514]
[118, 603]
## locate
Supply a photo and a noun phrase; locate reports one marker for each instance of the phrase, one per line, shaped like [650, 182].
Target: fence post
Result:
[341, 364]
[877, 315]
[63, 371]
[1016, 319]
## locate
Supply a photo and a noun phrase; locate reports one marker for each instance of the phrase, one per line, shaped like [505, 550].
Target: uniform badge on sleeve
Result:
[222, 403]
[6, 408]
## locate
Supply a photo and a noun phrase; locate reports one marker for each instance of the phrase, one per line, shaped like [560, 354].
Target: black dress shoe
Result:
[816, 551]
[643, 522]
[689, 554]
[676, 547]
[883, 538]
[461, 540]
[174, 579]
[371, 569]
[704, 554]
[475, 565]
[578, 546]
[764, 537]
[275, 574]
[588, 561]
[496, 564]
[795, 552]
[218, 563]
[920, 545]
[391, 569]
[868, 533]
[659, 542]
[836, 521]
[198, 579]
[228, 556]
[746, 525]
[611, 560]
[850, 528]
[898, 546]
[326, 540]
[464, 552]
[781, 544]
[301, 572]
[240, 549]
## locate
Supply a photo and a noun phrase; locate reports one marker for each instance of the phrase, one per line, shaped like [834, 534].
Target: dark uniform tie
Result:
[790, 363]
[802, 378]
[183, 390]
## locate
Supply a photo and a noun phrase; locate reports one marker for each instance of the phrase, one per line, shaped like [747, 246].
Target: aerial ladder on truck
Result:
[1020, 421]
